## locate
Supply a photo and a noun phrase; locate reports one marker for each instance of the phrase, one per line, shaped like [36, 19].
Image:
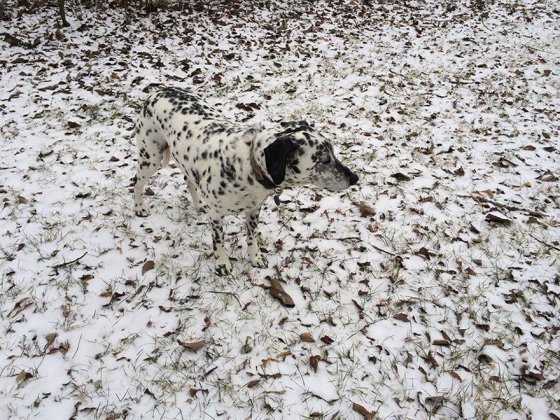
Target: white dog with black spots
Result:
[230, 168]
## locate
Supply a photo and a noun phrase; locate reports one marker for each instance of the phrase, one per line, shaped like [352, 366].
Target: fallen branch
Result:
[545, 243]
[507, 206]
[69, 262]
[382, 250]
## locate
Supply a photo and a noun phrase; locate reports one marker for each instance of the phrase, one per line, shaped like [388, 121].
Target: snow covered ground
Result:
[430, 290]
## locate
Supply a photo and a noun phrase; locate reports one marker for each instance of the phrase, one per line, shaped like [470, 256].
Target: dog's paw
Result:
[141, 210]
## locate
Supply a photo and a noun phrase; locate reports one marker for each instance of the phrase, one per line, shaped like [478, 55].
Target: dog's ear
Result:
[277, 156]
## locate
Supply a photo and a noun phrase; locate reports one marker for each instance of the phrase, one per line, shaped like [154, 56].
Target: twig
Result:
[544, 243]
[227, 293]
[508, 206]
[539, 49]
[382, 250]
[69, 262]
[78, 347]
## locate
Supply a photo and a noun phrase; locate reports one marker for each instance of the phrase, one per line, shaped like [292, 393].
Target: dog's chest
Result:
[217, 160]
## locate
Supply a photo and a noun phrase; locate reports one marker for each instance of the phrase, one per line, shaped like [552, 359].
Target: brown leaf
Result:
[22, 377]
[365, 209]
[455, 375]
[148, 265]
[327, 340]
[401, 317]
[73, 124]
[548, 177]
[253, 383]
[459, 171]
[529, 147]
[423, 252]
[278, 293]
[64, 347]
[473, 229]
[193, 347]
[441, 343]
[497, 217]
[50, 339]
[356, 304]
[20, 306]
[401, 177]
[360, 409]
[314, 362]
[22, 200]
[308, 338]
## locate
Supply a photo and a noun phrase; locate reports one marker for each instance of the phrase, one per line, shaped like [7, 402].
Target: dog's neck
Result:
[258, 165]
[260, 174]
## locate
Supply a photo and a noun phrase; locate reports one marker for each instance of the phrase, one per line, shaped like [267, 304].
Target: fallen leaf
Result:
[455, 375]
[548, 176]
[22, 377]
[327, 340]
[314, 362]
[360, 409]
[148, 265]
[401, 317]
[497, 217]
[423, 252]
[401, 177]
[277, 292]
[193, 347]
[308, 338]
[365, 209]
[50, 339]
[20, 306]
[253, 383]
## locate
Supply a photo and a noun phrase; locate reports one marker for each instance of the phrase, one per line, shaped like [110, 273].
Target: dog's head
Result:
[298, 154]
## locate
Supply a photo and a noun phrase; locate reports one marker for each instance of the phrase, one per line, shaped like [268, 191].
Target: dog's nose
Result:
[354, 179]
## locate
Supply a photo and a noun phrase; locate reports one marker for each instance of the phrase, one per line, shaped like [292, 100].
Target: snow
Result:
[418, 307]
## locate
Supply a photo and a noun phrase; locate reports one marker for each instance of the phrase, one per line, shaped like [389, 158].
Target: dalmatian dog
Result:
[230, 168]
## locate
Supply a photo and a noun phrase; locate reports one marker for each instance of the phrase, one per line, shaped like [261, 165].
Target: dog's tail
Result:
[166, 157]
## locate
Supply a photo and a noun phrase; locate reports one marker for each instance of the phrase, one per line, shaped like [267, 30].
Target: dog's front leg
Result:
[253, 252]
[223, 264]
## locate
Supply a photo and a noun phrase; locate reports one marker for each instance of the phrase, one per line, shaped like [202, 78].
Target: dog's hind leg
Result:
[197, 203]
[152, 154]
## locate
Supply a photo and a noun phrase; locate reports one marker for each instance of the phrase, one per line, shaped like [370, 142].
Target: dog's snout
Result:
[351, 176]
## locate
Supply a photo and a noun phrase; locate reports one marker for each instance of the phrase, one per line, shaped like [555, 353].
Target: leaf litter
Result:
[431, 289]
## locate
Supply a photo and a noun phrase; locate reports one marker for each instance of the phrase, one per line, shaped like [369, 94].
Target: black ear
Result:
[277, 155]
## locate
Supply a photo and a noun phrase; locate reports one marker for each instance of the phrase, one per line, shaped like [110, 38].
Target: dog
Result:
[230, 168]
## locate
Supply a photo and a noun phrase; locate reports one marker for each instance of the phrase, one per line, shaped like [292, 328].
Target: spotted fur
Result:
[230, 168]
